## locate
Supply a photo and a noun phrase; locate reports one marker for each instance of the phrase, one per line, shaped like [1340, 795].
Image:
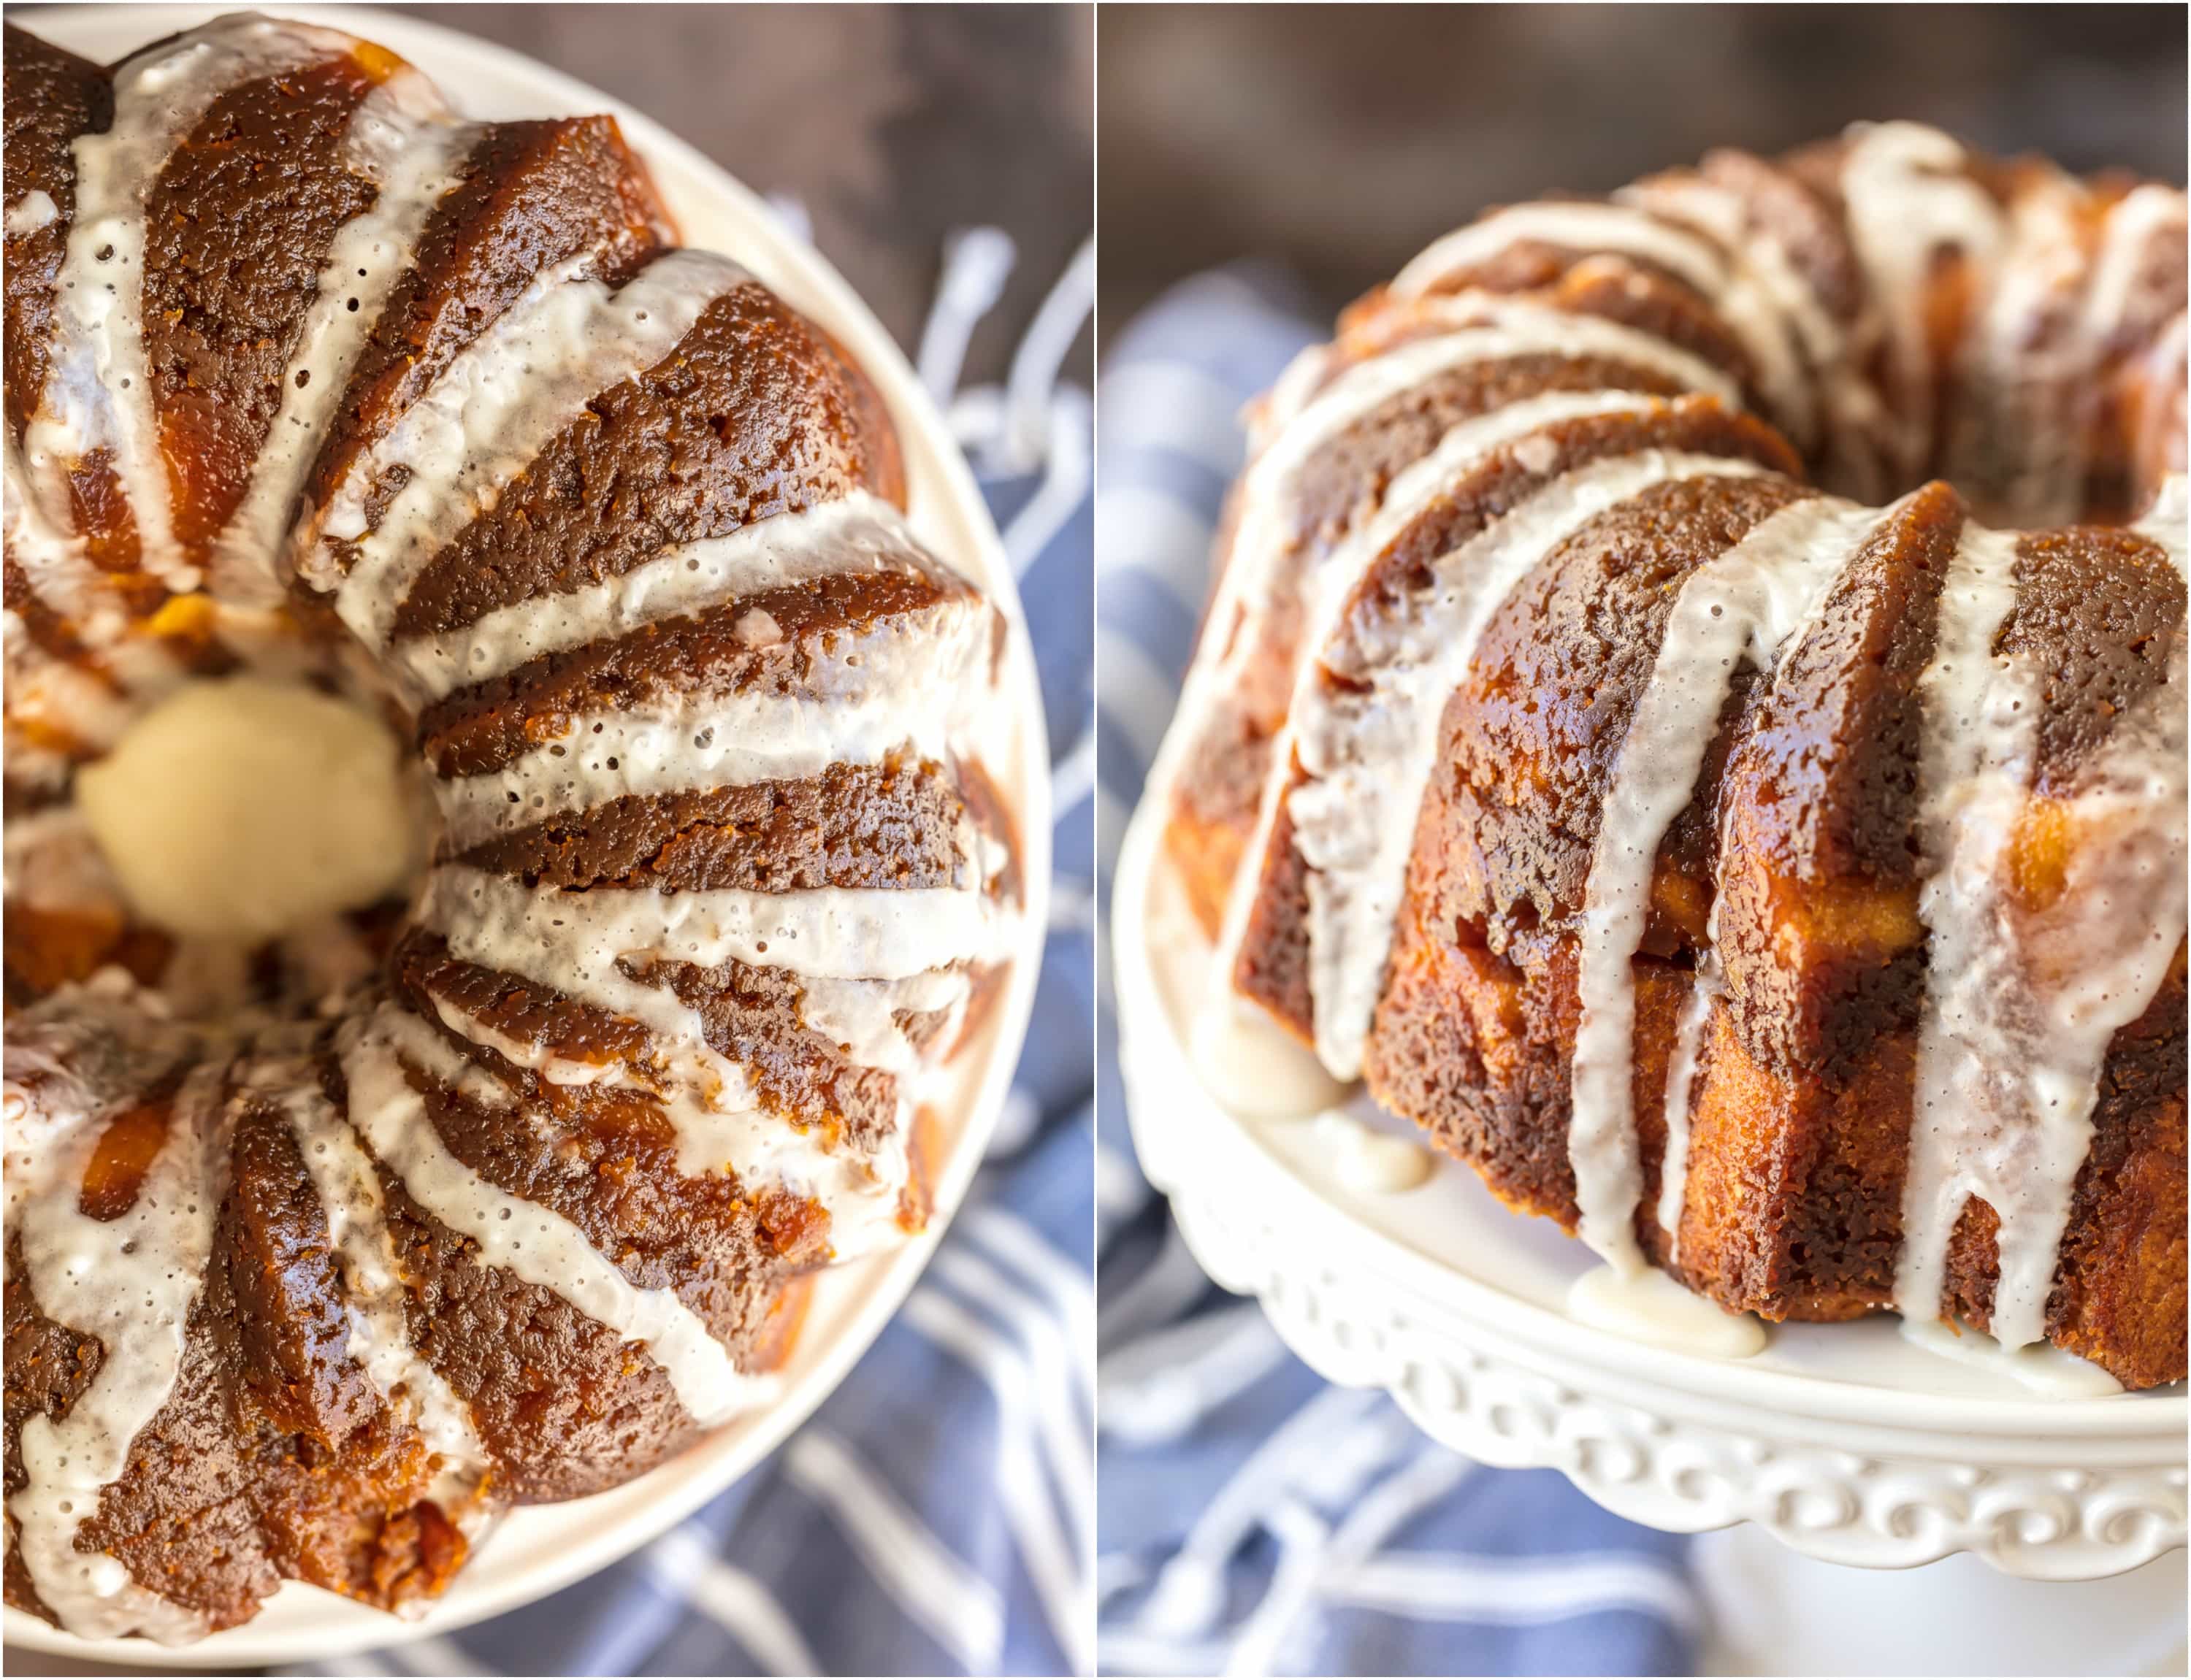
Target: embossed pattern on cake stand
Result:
[1845, 1442]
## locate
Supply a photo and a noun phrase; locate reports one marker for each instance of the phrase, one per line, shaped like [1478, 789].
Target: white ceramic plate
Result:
[534, 1552]
[1847, 1441]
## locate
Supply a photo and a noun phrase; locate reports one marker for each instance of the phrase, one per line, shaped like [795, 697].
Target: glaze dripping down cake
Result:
[1692, 712]
[324, 1248]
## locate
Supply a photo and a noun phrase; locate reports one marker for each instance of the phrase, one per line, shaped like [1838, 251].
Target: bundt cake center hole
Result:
[242, 809]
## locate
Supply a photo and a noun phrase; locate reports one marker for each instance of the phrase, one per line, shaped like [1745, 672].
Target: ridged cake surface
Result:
[320, 1252]
[1692, 709]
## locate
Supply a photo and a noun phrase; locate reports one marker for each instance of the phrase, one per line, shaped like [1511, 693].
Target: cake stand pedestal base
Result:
[1773, 1610]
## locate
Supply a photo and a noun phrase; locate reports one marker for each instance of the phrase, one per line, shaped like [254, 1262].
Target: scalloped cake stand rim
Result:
[535, 1551]
[1850, 1472]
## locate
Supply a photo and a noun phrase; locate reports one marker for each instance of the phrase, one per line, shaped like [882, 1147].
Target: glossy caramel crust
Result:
[1801, 1114]
[1803, 820]
[1273, 961]
[274, 1457]
[483, 727]
[2099, 613]
[48, 1366]
[1630, 290]
[1221, 785]
[51, 98]
[532, 195]
[237, 229]
[889, 825]
[754, 414]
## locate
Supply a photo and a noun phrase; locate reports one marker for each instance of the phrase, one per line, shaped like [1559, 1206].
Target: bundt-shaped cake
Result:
[324, 1246]
[1778, 888]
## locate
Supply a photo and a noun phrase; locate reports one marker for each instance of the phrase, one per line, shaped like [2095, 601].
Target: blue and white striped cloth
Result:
[1251, 1518]
[935, 1516]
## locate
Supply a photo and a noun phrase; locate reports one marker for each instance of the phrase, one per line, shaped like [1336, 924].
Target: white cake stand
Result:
[1845, 1442]
[538, 1549]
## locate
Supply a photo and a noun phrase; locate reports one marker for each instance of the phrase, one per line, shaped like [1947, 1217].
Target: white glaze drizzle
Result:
[835, 932]
[1980, 717]
[404, 139]
[840, 942]
[859, 1017]
[2021, 1004]
[719, 1121]
[1250, 1063]
[374, 1296]
[1585, 227]
[1372, 746]
[62, 698]
[2126, 305]
[33, 210]
[1911, 193]
[530, 1242]
[1907, 193]
[860, 1190]
[1483, 329]
[73, 1055]
[1683, 1063]
[564, 1070]
[1798, 347]
[1745, 603]
[53, 865]
[131, 1282]
[2165, 522]
[2119, 296]
[859, 533]
[482, 422]
[98, 390]
[2163, 368]
[2028, 365]
[1649, 1306]
[1368, 1161]
[1412, 493]
[903, 685]
[2054, 1372]
[54, 563]
[1708, 982]
[1753, 304]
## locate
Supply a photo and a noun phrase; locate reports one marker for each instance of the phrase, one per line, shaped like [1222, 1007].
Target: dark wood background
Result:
[1340, 140]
